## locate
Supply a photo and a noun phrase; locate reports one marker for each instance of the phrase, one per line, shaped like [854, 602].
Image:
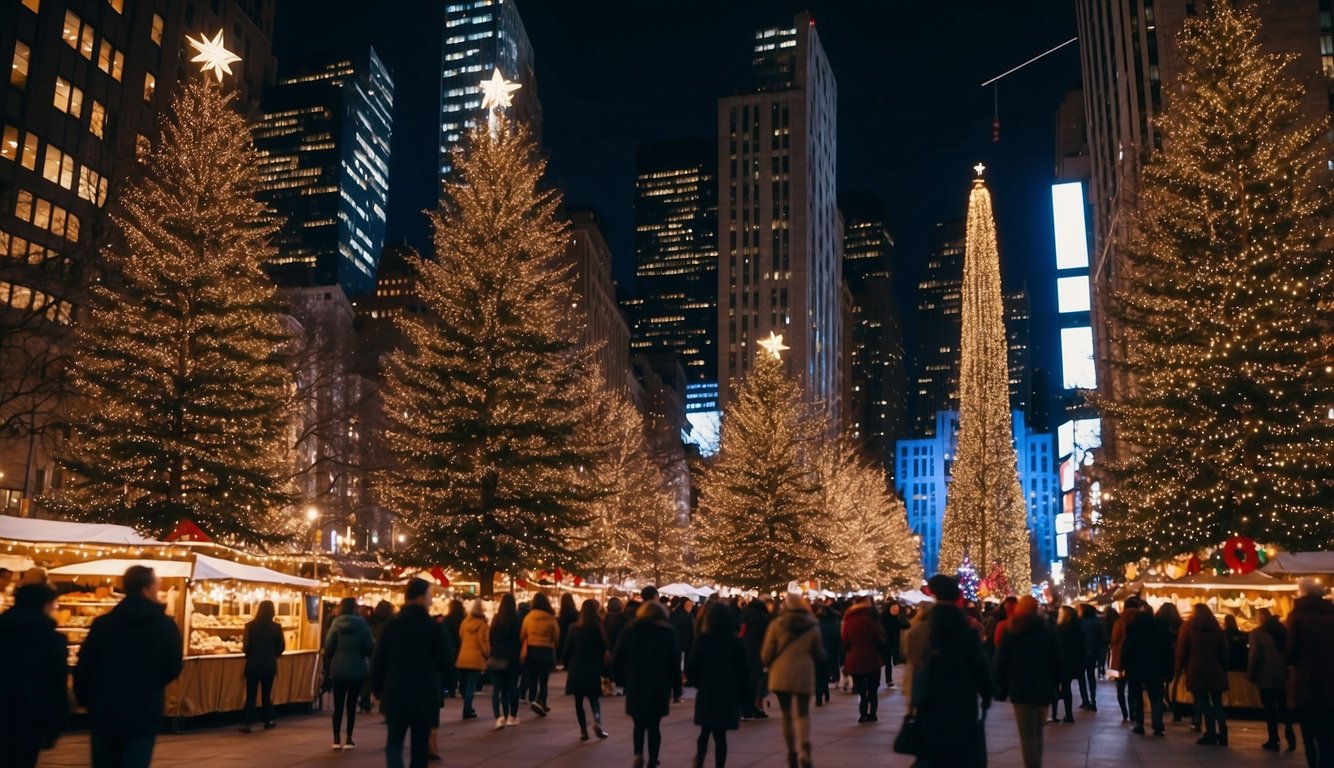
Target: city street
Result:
[1099, 740]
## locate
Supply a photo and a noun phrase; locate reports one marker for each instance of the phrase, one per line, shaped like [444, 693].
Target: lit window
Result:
[18, 71]
[70, 34]
[23, 206]
[41, 214]
[98, 119]
[32, 5]
[150, 86]
[117, 5]
[29, 158]
[9, 144]
[69, 98]
[155, 32]
[86, 42]
[51, 165]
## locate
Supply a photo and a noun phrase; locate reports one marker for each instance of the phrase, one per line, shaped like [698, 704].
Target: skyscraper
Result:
[603, 325]
[480, 37]
[779, 238]
[325, 140]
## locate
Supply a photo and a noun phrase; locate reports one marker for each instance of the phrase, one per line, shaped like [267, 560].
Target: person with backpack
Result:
[347, 651]
[792, 648]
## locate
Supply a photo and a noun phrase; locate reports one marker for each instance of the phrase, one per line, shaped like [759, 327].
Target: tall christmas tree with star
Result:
[759, 524]
[986, 520]
[487, 402]
[1227, 425]
[182, 395]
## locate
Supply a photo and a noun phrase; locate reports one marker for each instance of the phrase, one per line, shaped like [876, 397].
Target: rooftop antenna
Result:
[995, 85]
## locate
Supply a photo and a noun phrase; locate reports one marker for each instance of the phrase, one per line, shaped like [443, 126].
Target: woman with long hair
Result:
[503, 663]
[262, 643]
[539, 638]
[347, 654]
[1070, 638]
[585, 654]
[1201, 656]
[567, 615]
[718, 670]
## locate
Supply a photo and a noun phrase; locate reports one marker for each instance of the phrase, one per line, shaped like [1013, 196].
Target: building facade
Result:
[602, 324]
[87, 81]
[481, 36]
[922, 479]
[779, 239]
[325, 141]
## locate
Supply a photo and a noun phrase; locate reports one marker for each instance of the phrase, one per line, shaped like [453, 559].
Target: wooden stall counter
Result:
[216, 683]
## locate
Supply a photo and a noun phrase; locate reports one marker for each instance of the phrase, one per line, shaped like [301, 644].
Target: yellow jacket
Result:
[540, 630]
[474, 643]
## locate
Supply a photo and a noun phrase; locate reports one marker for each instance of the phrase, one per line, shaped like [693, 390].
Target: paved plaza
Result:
[303, 740]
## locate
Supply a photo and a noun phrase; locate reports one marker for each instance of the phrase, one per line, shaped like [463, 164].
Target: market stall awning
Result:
[680, 589]
[1300, 563]
[61, 532]
[1254, 581]
[216, 569]
[165, 569]
[915, 597]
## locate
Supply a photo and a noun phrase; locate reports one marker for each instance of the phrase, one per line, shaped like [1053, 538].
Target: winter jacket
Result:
[863, 637]
[613, 623]
[684, 624]
[1070, 638]
[1028, 662]
[1146, 654]
[645, 662]
[474, 643]
[585, 649]
[262, 642]
[792, 647]
[831, 637]
[1095, 641]
[410, 666]
[129, 656]
[33, 694]
[1310, 640]
[1202, 654]
[892, 625]
[505, 645]
[540, 630]
[1266, 667]
[718, 668]
[755, 620]
[348, 648]
[1116, 642]
[956, 677]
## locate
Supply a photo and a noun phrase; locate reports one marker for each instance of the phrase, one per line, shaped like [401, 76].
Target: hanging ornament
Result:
[1240, 554]
[1193, 565]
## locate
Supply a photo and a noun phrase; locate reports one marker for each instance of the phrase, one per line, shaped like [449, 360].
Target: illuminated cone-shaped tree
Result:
[870, 544]
[985, 515]
[183, 399]
[1225, 311]
[759, 524]
[491, 470]
[968, 581]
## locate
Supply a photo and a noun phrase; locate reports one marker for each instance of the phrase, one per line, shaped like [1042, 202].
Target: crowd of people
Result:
[959, 657]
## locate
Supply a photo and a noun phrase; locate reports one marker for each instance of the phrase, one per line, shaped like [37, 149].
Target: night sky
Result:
[611, 74]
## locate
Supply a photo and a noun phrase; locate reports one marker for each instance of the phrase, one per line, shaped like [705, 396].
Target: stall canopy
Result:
[915, 597]
[60, 532]
[204, 568]
[1300, 563]
[683, 590]
[1255, 581]
[166, 569]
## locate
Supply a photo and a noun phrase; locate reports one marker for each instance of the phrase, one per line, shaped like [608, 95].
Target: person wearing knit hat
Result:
[1028, 665]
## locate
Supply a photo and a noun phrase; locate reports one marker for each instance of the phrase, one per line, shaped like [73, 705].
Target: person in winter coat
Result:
[567, 615]
[684, 624]
[1028, 670]
[792, 649]
[1310, 647]
[1268, 670]
[718, 671]
[1146, 656]
[1201, 660]
[916, 646]
[1237, 644]
[454, 615]
[1095, 648]
[643, 665]
[539, 637]
[408, 672]
[951, 682]
[474, 648]
[504, 663]
[1070, 636]
[863, 637]
[33, 700]
[262, 642]
[1168, 616]
[893, 622]
[347, 651]
[1116, 640]
[755, 620]
[831, 637]
[129, 656]
[383, 612]
[585, 653]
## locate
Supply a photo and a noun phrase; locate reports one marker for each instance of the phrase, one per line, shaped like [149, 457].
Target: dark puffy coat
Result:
[1095, 638]
[1266, 667]
[718, 668]
[585, 648]
[645, 662]
[1146, 653]
[755, 620]
[1238, 647]
[955, 678]
[125, 664]
[831, 635]
[614, 623]
[1310, 638]
[348, 648]
[505, 644]
[1202, 654]
[410, 666]
[684, 624]
[893, 625]
[33, 694]
[262, 643]
[862, 637]
[1028, 662]
[1070, 638]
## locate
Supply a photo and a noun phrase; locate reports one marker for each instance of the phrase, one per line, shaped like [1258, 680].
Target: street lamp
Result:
[313, 517]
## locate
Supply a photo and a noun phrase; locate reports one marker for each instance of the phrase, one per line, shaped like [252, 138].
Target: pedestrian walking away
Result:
[1146, 655]
[34, 700]
[894, 624]
[718, 670]
[1095, 648]
[1201, 660]
[474, 648]
[952, 690]
[1070, 635]
[1310, 647]
[129, 656]
[539, 637]
[831, 637]
[584, 656]
[1028, 669]
[1267, 669]
[792, 649]
[643, 665]
[408, 673]
[262, 643]
[863, 638]
[503, 663]
[684, 624]
[347, 652]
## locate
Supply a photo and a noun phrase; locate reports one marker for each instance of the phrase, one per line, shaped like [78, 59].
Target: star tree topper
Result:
[979, 169]
[774, 345]
[212, 55]
[496, 91]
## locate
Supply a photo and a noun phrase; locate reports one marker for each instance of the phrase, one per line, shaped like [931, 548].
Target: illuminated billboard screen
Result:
[1072, 294]
[1067, 205]
[1077, 370]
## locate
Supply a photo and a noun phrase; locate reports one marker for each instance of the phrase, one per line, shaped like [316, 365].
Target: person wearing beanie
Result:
[954, 680]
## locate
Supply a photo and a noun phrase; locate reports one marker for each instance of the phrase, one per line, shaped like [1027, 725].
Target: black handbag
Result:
[909, 739]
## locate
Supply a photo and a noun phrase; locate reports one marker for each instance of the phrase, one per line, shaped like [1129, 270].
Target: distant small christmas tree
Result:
[968, 581]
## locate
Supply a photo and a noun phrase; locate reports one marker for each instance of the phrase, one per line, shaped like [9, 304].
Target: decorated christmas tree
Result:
[759, 524]
[968, 581]
[182, 398]
[1226, 292]
[491, 469]
[985, 515]
[870, 544]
